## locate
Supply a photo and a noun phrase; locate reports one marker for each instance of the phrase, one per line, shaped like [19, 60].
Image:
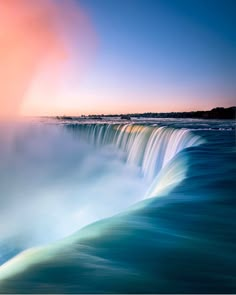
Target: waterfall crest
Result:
[149, 147]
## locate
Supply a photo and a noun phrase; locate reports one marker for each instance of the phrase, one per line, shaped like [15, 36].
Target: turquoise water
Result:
[119, 208]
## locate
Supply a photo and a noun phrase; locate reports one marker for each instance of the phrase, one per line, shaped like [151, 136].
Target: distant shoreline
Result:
[219, 113]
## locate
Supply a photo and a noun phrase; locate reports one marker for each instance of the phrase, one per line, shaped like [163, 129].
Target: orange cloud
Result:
[33, 33]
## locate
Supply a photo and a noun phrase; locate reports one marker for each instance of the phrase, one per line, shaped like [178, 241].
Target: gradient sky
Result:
[151, 55]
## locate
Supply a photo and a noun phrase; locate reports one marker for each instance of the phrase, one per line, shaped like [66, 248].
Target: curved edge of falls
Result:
[153, 149]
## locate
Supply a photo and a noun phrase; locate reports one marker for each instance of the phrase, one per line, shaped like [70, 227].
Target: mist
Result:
[37, 36]
[52, 184]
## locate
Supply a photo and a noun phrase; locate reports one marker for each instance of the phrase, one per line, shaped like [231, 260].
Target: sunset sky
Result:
[120, 56]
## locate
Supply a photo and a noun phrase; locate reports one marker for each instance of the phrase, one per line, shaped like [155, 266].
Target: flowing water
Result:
[141, 207]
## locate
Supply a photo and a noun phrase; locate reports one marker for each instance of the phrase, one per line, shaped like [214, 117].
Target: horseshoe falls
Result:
[146, 206]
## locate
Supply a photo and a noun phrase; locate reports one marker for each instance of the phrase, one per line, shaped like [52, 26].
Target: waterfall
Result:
[149, 147]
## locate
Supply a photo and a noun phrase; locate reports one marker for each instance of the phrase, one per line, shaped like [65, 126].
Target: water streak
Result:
[148, 147]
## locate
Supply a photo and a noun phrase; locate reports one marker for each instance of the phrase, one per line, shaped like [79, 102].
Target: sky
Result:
[126, 56]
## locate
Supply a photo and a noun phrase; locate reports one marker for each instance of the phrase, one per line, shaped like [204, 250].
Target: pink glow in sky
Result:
[36, 40]
[48, 65]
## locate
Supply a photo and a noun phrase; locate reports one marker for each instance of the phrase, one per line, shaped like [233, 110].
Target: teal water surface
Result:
[174, 238]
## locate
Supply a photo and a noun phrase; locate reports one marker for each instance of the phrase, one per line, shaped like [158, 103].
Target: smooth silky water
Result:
[142, 207]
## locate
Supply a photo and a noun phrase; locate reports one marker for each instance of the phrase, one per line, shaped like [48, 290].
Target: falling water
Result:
[148, 147]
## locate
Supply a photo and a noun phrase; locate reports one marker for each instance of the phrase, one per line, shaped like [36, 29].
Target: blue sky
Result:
[152, 55]
[166, 49]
